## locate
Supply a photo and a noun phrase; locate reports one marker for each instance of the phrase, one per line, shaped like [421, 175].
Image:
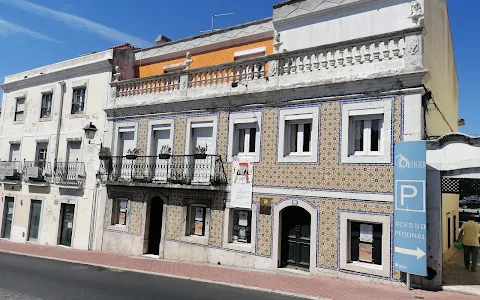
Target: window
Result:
[119, 212]
[366, 135]
[245, 139]
[365, 243]
[196, 220]
[366, 132]
[244, 135]
[241, 226]
[46, 110]
[78, 100]
[14, 152]
[41, 156]
[20, 110]
[298, 135]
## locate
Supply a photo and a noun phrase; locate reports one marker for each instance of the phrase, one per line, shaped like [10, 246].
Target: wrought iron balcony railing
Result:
[11, 170]
[172, 169]
[70, 174]
[37, 172]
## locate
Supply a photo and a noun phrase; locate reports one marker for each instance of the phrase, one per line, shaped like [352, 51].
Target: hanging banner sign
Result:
[6, 168]
[242, 184]
[410, 213]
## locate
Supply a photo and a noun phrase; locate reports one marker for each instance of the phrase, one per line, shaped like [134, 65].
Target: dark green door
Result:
[8, 217]
[67, 214]
[34, 222]
[295, 250]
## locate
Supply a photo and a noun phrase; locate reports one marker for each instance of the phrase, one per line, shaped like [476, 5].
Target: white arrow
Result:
[418, 253]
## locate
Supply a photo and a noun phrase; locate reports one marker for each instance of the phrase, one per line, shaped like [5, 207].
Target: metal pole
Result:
[408, 281]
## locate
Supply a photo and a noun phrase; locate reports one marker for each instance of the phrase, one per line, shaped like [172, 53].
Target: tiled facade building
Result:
[316, 97]
[317, 112]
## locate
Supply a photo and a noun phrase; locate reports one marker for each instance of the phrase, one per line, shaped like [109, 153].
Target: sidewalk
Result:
[321, 287]
[458, 279]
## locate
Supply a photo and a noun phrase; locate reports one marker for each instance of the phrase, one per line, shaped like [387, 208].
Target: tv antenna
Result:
[213, 21]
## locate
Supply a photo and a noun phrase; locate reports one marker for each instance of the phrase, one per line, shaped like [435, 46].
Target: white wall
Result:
[318, 28]
[97, 81]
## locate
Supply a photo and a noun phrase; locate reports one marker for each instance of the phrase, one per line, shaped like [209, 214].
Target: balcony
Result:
[10, 171]
[172, 171]
[391, 57]
[69, 174]
[37, 173]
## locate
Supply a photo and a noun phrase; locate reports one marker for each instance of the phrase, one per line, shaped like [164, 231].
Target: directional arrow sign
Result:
[418, 253]
[410, 210]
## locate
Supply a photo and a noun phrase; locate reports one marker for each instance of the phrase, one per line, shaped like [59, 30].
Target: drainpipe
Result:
[59, 123]
[93, 216]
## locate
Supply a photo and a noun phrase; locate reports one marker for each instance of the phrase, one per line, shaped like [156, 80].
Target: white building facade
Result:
[48, 178]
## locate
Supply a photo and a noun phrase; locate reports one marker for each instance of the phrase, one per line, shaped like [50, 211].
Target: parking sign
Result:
[410, 218]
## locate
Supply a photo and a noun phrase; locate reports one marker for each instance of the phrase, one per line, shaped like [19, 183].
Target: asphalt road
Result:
[27, 278]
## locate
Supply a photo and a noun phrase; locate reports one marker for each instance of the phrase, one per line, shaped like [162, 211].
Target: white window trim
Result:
[118, 226]
[151, 131]
[45, 92]
[298, 114]
[366, 109]
[202, 240]
[228, 230]
[78, 85]
[245, 118]
[188, 137]
[118, 130]
[378, 270]
[24, 97]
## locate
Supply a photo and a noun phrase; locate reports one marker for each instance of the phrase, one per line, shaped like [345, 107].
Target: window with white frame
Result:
[366, 135]
[365, 243]
[19, 110]
[241, 226]
[366, 132]
[78, 100]
[298, 140]
[244, 135]
[46, 109]
[119, 212]
[298, 135]
[196, 220]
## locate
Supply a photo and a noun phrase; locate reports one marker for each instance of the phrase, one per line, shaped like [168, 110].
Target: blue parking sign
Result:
[410, 218]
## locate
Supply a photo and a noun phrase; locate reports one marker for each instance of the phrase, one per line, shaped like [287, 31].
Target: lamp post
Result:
[90, 131]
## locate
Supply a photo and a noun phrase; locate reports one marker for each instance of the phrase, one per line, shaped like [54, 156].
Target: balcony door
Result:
[15, 158]
[202, 136]
[161, 141]
[126, 141]
[40, 160]
[74, 156]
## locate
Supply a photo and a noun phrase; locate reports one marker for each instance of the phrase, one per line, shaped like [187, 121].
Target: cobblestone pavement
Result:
[313, 286]
[457, 278]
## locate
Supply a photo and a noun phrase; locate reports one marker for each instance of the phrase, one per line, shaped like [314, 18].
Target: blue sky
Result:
[40, 32]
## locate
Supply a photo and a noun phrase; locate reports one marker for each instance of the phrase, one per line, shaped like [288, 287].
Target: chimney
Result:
[161, 39]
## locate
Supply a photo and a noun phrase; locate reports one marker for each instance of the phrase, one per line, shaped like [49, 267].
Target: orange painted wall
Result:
[206, 59]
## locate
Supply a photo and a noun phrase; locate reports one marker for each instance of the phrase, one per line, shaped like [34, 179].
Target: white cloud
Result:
[80, 23]
[11, 29]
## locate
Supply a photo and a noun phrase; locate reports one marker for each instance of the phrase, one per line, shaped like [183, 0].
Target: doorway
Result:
[34, 220]
[67, 215]
[155, 226]
[8, 217]
[295, 238]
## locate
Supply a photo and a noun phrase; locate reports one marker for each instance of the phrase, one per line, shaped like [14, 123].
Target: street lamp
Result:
[90, 131]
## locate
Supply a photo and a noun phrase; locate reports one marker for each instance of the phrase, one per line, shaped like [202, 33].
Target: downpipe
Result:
[93, 215]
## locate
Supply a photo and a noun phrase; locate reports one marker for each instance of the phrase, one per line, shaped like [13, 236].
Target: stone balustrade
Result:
[353, 58]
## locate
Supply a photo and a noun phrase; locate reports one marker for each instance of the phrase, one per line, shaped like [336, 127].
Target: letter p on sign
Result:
[404, 188]
[410, 195]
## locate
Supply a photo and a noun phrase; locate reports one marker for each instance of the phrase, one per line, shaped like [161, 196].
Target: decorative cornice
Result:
[26, 78]
[454, 137]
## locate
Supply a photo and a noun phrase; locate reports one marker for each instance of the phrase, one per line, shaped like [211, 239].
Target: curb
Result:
[234, 285]
[461, 290]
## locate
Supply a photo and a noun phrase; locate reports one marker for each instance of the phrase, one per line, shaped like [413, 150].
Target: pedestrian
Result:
[469, 237]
